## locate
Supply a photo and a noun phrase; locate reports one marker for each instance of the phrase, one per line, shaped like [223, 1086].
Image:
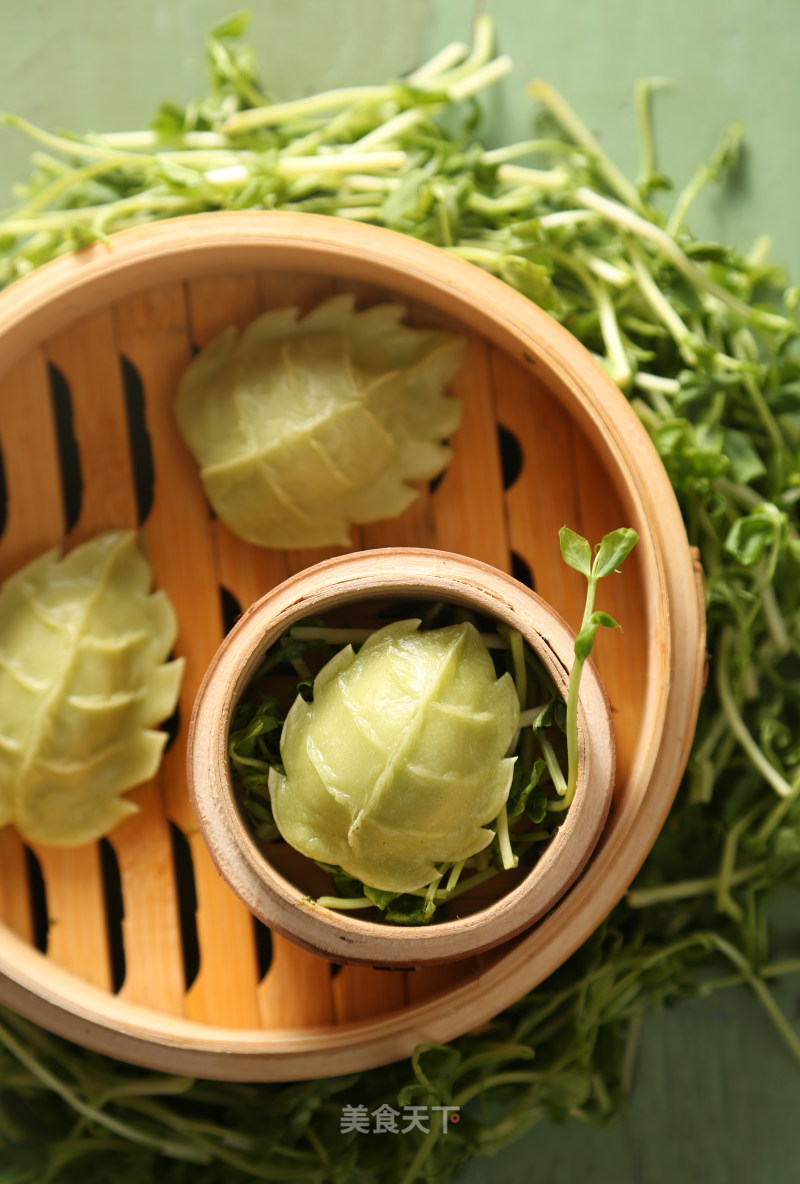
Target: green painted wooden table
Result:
[716, 1096]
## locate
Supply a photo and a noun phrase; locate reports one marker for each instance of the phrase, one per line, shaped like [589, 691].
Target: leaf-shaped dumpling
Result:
[399, 762]
[83, 681]
[303, 427]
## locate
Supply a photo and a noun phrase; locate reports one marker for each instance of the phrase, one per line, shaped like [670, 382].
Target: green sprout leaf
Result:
[519, 797]
[379, 897]
[575, 551]
[613, 549]
[233, 26]
[746, 464]
[585, 639]
[749, 537]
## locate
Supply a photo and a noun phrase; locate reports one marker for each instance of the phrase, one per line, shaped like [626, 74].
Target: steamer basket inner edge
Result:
[88, 442]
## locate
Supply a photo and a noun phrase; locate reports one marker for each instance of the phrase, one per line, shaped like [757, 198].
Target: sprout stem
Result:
[660, 305]
[577, 129]
[520, 669]
[737, 724]
[276, 113]
[626, 219]
[440, 63]
[541, 179]
[507, 856]
[530, 715]
[343, 902]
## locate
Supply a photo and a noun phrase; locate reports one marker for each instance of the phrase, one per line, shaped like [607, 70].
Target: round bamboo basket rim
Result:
[342, 581]
[43, 303]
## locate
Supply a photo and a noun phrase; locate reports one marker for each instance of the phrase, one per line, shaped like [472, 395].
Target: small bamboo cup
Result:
[275, 897]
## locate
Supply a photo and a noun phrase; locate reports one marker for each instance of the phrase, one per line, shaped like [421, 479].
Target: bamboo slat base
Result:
[135, 945]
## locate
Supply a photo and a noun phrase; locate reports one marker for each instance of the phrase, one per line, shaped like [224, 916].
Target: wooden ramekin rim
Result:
[401, 572]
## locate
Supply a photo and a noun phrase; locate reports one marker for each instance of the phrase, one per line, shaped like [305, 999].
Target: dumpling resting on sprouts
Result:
[399, 762]
[83, 681]
[303, 427]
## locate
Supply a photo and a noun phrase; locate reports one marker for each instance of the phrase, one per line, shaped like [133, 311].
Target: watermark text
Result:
[386, 1120]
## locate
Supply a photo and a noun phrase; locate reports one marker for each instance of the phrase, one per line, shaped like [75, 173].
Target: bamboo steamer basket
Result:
[281, 893]
[134, 945]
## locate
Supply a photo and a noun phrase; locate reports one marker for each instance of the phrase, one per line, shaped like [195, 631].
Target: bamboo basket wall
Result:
[279, 892]
[134, 945]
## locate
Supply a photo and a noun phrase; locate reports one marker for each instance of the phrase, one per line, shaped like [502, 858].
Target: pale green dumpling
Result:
[83, 681]
[304, 427]
[399, 762]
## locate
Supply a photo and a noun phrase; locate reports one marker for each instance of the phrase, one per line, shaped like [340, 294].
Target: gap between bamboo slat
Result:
[358, 992]
[76, 911]
[87, 356]
[76, 937]
[152, 331]
[545, 495]
[349, 998]
[15, 899]
[296, 990]
[30, 457]
[617, 652]
[563, 483]
[151, 935]
[415, 527]
[35, 517]
[469, 511]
